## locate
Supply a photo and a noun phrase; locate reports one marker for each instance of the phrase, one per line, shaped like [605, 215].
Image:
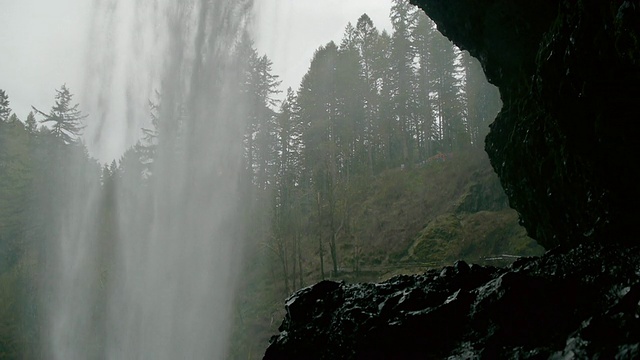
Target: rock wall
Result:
[565, 143]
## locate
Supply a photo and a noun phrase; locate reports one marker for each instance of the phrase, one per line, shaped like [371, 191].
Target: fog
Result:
[53, 43]
[146, 267]
[162, 287]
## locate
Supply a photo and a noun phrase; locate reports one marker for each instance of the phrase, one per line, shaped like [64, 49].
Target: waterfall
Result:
[162, 286]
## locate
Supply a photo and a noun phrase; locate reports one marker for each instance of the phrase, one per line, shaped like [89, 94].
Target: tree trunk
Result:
[320, 248]
[294, 250]
[285, 264]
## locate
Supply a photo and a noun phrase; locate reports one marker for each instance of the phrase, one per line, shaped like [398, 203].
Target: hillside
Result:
[437, 213]
[402, 221]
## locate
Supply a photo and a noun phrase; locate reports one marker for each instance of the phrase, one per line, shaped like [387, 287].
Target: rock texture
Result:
[565, 144]
[560, 306]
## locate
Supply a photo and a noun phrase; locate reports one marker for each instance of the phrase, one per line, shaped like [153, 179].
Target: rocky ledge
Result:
[582, 303]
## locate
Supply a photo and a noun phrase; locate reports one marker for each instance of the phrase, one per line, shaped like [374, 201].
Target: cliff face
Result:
[565, 142]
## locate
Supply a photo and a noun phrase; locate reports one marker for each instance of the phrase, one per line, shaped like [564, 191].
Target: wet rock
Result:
[561, 305]
[564, 144]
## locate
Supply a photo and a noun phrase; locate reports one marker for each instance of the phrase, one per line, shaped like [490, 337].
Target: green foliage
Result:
[36, 181]
[31, 124]
[483, 100]
[475, 237]
[433, 244]
[9, 314]
[5, 110]
[15, 180]
[65, 119]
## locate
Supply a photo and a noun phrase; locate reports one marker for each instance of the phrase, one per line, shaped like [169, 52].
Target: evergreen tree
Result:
[15, 175]
[31, 123]
[5, 110]
[350, 124]
[319, 114]
[425, 123]
[287, 136]
[265, 152]
[386, 125]
[13, 119]
[349, 39]
[132, 170]
[260, 87]
[403, 20]
[448, 105]
[318, 105]
[146, 148]
[65, 118]
[269, 159]
[284, 206]
[482, 100]
[367, 37]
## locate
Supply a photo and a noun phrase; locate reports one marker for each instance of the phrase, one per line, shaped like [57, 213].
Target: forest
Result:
[374, 103]
[377, 115]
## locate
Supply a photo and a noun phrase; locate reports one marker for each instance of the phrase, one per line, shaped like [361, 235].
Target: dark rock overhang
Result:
[565, 142]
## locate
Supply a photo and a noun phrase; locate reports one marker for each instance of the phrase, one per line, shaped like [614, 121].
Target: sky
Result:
[42, 47]
[289, 31]
[44, 43]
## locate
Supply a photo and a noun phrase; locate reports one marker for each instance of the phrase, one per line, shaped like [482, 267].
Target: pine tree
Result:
[284, 206]
[147, 147]
[365, 40]
[13, 119]
[259, 88]
[403, 20]
[482, 100]
[65, 118]
[15, 181]
[425, 123]
[350, 127]
[446, 84]
[15, 280]
[263, 119]
[349, 39]
[386, 124]
[31, 123]
[318, 105]
[367, 37]
[319, 113]
[287, 134]
[5, 110]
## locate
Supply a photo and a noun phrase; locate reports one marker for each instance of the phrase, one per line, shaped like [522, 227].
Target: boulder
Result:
[561, 305]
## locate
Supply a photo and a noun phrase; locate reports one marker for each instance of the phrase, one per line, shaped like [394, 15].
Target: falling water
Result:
[163, 287]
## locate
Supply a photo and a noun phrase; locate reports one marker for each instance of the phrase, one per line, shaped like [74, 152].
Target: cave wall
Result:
[565, 143]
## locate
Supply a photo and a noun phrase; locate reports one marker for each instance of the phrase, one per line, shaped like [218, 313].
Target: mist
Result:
[166, 278]
[205, 160]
